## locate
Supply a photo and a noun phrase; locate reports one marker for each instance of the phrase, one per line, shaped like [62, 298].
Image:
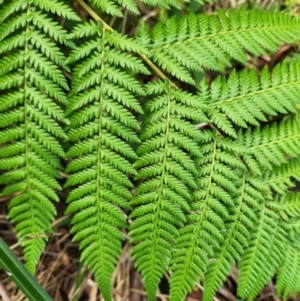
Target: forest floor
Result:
[65, 279]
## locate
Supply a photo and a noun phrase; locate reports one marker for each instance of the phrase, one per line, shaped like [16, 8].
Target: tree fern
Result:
[31, 92]
[210, 170]
[101, 103]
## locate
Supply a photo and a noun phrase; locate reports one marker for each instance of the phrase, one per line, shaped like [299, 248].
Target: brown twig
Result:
[3, 293]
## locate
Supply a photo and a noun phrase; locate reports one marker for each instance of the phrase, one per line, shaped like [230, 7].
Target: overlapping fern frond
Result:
[272, 146]
[288, 280]
[290, 208]
[211, 42]
[264, 254]
[237, 231]
[268, 146]
[31, 94]
[274, 240]
[103, 127]
[283, 177]
[212, 205]
[168, 172]
[247, 98]
[264, 148]
[280, 143]
[212, 169]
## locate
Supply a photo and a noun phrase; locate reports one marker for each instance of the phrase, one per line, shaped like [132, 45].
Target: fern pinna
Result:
[32, 91]
[101, 107]
[212, 42]
[165, 165]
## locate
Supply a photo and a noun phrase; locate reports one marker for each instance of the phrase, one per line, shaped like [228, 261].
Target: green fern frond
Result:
[56, 7]
[31, 91]
[103, 126]
[168, 173]
[246, 98]
[287, 207]
[211, 208]
[290, 208]
[112, 7]
[211, 42]
[288, 280]
[272, 145]
[283, 177]
[200, 41]
[242, 223]
[264, 254]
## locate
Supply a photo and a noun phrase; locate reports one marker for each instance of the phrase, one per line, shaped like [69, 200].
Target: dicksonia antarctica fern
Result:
[200, 178]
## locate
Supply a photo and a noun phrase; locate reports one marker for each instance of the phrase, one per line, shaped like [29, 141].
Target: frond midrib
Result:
[99, 179]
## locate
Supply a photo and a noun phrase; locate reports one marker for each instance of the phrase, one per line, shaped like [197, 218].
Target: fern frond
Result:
[101, 106]
[32, 92]
[264, 254]
[56, 7]
[283, 177]
[212, 204]
[288, 281]
[168, 173]
[290, 207]
[201, 41]
[242, 223]
[272, 145]
[246, 98]
[112, 6]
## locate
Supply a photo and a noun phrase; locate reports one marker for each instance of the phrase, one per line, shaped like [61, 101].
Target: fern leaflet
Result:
[31, 91]
[211, 206]
[169, 142]
[200, 41]
[101, 103]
